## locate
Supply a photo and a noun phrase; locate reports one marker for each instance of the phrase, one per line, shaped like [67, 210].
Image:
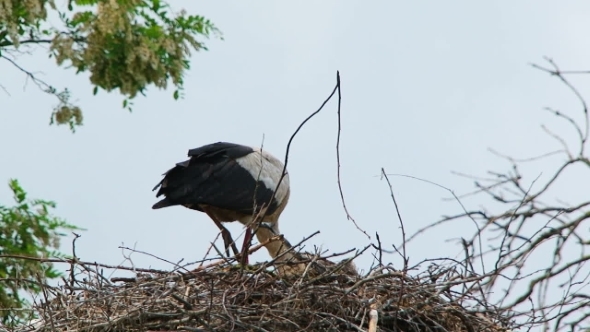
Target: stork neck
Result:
[277, 247]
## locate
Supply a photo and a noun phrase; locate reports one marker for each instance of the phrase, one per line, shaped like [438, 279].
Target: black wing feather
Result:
[213, 177]
[220, 149]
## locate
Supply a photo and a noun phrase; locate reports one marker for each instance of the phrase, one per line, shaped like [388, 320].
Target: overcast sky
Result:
[427, 88]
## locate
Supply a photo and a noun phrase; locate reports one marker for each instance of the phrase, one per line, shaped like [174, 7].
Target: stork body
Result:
[230, 182]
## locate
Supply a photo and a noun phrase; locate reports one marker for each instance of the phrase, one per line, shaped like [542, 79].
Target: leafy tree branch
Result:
[27, 228]
[125, 45]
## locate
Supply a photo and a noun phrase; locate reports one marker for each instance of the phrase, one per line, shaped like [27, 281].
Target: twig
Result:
[401, 221]
[176, 265]
[293, 136]
[466, 213]
[70, 261]
[74, 259]
[348, 216]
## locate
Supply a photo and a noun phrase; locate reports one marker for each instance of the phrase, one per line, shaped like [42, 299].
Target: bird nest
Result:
[222, 296]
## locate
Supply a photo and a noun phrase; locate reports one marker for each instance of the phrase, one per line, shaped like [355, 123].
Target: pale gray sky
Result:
[427, 88]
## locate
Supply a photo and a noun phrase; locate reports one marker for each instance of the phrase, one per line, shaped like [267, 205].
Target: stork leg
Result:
[225, 234]
[246, 246]
[227, 239]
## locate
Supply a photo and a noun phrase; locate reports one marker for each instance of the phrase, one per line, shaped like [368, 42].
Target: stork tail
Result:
[162, 204]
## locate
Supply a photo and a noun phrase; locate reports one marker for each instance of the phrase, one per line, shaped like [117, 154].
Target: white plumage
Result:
[230, 182]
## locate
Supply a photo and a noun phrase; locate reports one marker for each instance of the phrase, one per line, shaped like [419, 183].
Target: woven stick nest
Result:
[223, 296]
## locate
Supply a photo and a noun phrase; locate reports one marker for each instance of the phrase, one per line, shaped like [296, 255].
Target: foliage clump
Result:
[124, 45]
[27, 229]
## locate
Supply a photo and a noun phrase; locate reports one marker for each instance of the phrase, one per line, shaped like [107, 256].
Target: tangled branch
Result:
[537, 244]
[222, 297]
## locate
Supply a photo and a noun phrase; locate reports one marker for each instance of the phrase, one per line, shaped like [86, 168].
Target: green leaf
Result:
[27, 228]
[124, 46]
[155, 5]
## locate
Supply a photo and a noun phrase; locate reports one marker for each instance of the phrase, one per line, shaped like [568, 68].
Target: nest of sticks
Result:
[223, 296]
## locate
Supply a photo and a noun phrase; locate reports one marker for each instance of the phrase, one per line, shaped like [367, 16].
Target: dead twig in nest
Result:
[223, 297]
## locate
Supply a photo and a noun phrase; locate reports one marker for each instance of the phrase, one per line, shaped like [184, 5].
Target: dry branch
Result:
[223, 297]
[536, 244]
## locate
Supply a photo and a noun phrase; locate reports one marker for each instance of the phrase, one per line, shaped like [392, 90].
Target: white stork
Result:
[230, 182]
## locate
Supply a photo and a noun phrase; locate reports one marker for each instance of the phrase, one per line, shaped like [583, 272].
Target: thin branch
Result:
[348, 216]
